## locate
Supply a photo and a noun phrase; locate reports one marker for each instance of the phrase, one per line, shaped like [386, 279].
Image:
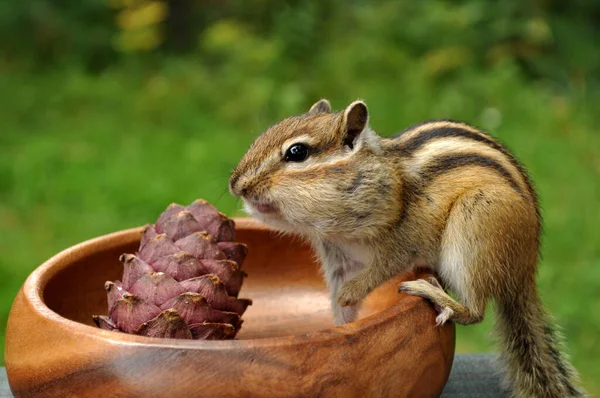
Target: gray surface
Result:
[4, 390]
[471, 376]
[474, 375]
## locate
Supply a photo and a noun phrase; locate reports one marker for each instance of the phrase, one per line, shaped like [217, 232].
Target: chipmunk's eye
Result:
[296, 153]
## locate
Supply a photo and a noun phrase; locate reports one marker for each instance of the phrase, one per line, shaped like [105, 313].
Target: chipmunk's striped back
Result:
[434, 148]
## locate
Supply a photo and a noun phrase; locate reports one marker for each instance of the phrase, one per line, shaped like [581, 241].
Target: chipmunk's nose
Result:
[237, 187]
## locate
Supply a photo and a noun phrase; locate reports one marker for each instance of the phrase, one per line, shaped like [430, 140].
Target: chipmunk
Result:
[441, 194]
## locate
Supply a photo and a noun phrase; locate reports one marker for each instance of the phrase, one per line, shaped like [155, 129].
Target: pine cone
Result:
[184, 280]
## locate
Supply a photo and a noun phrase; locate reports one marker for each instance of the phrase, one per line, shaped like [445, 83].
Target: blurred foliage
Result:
[548, 39]
[114, 108]
[140, 23]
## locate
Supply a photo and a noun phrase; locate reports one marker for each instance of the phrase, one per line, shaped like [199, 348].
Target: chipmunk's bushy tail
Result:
[531, 348]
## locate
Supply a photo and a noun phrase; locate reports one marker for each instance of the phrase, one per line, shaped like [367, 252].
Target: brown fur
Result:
[442, 193]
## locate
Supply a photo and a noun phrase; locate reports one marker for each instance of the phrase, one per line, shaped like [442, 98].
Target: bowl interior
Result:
[289, 295]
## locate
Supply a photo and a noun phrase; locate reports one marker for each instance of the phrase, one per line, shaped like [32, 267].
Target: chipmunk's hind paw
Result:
[427, 289]
[431, 290]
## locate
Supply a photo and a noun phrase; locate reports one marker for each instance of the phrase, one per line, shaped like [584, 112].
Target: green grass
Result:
[82, 156]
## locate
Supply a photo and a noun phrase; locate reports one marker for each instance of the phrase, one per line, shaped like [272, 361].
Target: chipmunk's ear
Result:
[356, 118]
[321, 106]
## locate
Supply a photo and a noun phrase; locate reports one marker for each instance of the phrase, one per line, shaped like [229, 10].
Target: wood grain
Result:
[287, 346]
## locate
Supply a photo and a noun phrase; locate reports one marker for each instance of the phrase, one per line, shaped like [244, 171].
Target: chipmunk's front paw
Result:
[351, 293]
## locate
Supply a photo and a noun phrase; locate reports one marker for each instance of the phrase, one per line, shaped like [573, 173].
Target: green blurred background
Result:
[112, 109]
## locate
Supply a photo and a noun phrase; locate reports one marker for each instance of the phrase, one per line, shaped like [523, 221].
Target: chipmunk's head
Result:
[314, 174]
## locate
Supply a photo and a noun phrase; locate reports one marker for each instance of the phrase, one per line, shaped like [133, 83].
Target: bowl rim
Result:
[36, 282]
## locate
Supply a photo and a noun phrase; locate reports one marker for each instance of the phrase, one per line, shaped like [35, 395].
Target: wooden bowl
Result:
[287, 346]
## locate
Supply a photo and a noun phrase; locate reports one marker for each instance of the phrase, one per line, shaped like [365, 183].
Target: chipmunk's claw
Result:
[444, 313]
